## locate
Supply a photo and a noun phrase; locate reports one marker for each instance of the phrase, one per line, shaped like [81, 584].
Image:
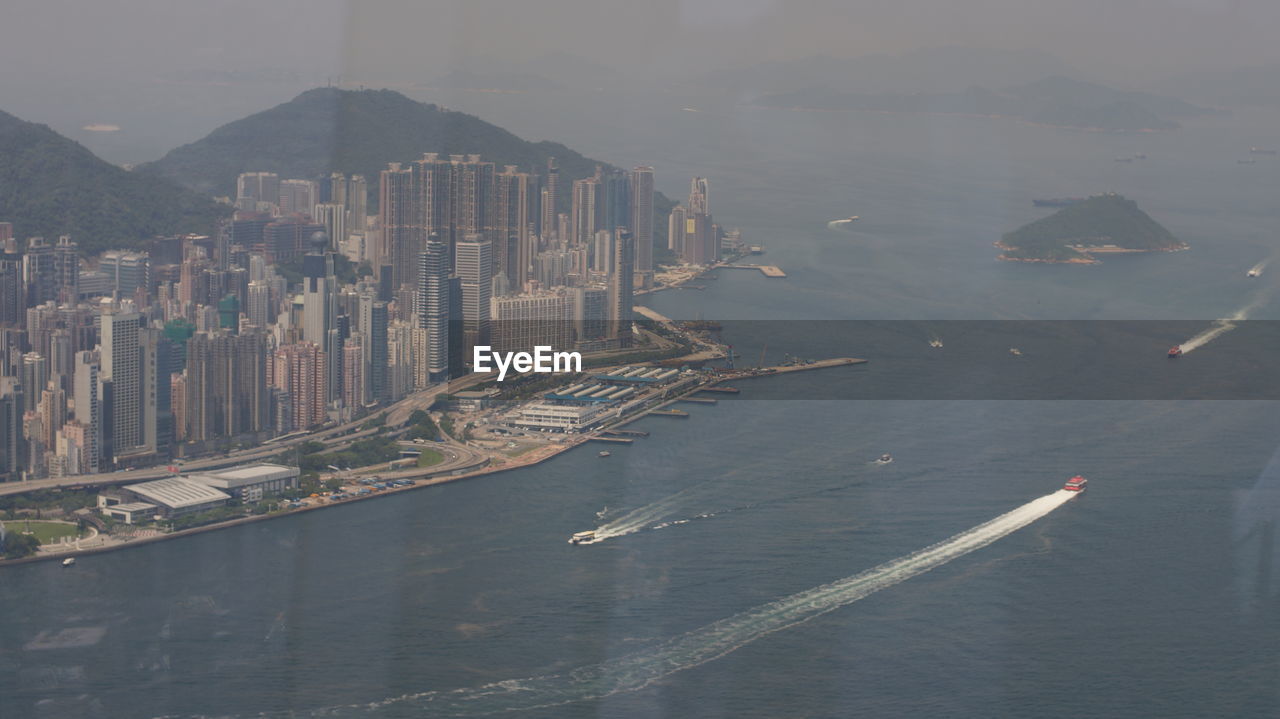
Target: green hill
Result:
[327, 130]
[51, 186]
[1101, 224]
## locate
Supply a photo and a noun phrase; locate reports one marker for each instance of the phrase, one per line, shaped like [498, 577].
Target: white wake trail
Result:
[1222, 326]
[635, 671]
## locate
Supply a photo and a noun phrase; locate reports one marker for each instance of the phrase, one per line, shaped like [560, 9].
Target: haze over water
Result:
[1154, 594]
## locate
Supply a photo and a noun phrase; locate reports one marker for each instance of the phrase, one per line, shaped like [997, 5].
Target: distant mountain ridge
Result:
[51, 185]
[327, 130]
[1056, 101]
[1101, 224]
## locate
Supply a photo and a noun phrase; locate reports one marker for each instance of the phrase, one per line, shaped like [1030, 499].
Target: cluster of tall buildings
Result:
[691, 234]
[309, 305]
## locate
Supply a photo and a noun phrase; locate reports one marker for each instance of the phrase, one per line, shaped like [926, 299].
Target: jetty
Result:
[766, 270]
[615, 440]
[669, 413]
[699, 400]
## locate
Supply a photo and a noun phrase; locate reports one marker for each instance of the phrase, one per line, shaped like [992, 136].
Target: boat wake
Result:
[638, 670]
[845, 224]
[1220, 327]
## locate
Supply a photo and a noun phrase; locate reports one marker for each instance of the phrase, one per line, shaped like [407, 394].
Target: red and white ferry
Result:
[1075, 484]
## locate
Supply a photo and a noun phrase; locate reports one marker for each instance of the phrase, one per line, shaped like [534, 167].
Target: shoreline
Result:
[534, 457]
[1087, 257]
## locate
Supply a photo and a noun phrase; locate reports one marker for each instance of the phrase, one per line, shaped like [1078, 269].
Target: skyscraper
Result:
[550, 200]
[297, 197]
[474, 266]
[584, 213]
[642, 220]
[676, 223]
[39, 272]
[122, 367]
[66, 266]
[433, 305]
[88, 408]
[255, 189]
[622, 288]
[398, 217]
[300, 369]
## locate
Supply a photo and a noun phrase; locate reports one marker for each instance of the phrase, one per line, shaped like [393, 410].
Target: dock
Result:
[766, 270]
[624, 433]
[784, 369]
[615, 440]
[699, 400]
[716, 388]
[669, 413]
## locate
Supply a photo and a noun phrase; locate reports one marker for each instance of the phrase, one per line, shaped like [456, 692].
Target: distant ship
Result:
[1252, 273]
[1057, 201]
[935, 343]
[1175, 351]
[851, 218]
[587, 537]
[604, 453]
[885, 458]
[69, 561]
[1075, 484]
[1015, 351]
[1262, 151]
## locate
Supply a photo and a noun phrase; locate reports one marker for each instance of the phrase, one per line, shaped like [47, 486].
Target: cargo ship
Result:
[1058, 201]
[1075, 484]
[1175, 351]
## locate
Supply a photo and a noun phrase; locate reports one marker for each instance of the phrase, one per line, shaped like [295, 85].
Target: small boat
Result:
[1175, 351]
[587, 537]
[603, 453]
[69, 561]
[885, 458]
[1076, 484]
[1015, 351]
[935, 343]
[1252, 273]
[851, 218]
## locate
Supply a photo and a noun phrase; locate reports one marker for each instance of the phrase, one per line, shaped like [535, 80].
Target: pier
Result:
[624, 433]
[669, 413]
[615, 440]
[716, 388]
[766, 270]
[699, 400]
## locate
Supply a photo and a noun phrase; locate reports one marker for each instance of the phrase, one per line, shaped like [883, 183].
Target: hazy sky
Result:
[372, 38]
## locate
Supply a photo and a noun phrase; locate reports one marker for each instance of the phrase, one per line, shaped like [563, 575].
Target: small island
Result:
[1102, 224]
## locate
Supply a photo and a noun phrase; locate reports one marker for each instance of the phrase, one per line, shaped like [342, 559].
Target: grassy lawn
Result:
[46, 532]
[429, 457]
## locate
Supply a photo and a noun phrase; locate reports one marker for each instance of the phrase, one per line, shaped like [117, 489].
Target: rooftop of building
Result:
[178, 492]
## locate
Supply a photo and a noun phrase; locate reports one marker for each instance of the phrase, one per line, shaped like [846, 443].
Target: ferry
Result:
[587, 537]
[603, 453]
[69, 561]
[1175, 351]
[1252, 273]
[851, 218]
[1075, 484]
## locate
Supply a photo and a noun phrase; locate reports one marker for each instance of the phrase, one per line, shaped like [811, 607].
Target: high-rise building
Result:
[122, 367]
[300, 369]
[642, 220]
[474, 267]
[398, 221]
[333, 217]
[676, 224]
[353, 373]
[226, 385]
[66, 267]
[88, 409]
[622, 288]
[357, 202]
[297, 197]
[472, 195]
[698, 200]
[12, 288]
[584, 212]
[615, 199]
[550, 200]
[255, 189]
[522, 322]
[433, 305]
[373, 324]
[319, 298]
[39, 272]
[126, 271]
[513, 199]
